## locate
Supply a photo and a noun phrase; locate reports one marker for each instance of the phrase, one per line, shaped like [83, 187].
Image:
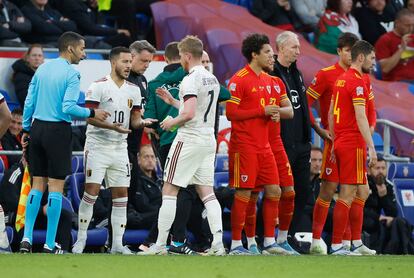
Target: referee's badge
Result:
[130, 102]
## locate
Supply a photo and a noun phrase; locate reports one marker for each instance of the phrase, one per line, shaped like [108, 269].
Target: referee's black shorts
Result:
[50, 149]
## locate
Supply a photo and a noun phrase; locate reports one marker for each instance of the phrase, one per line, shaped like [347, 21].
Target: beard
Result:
[366, 70]
[121, 74]
[379, 179]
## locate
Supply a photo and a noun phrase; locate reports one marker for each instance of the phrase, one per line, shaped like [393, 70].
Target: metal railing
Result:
[387, 138]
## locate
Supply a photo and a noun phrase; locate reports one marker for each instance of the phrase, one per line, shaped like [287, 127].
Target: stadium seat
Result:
[247, 4]
[398, 170]
[222, 162]
[378, 142]
[235, 2]
[11, 104]
[1, 176]
[178, 27]
[2, 166]
[377, 71]
[135, 236]
[75, 181]
[221, 179]
[75, 164]
[10, 233]
[404, 192]
[96, 237]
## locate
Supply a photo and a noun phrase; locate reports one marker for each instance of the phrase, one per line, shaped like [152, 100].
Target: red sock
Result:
[340, 221]
[270, 211]
[238, 215]
[250, 224]
[286, 208]
[347, 234]
[356, 218]
[320, 212]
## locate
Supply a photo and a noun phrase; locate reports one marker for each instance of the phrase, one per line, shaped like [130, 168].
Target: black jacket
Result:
[84, 17]
[134, 138]
[21, 79]
[293, 80]
[375, 204]
[9, 142]
[46, 24]
[144, 194]
[370, 25]
[271, 13]
[15, 28]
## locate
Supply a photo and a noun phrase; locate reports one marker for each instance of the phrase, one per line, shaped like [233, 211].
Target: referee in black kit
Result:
[50, 103]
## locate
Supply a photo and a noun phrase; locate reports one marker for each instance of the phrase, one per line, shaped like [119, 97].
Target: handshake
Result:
[273, 112]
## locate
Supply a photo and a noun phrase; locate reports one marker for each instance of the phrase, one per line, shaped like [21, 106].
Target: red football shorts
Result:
[352, 164]
[283, 166]
[329, 169]
[250, 170]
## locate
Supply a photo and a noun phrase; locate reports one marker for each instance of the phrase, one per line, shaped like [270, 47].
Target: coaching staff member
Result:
[296, 132]
[49, 106]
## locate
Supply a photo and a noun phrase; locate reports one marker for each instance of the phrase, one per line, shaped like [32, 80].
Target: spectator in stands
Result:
[24, 69]
[394, 50]
[372, 20]
[315, 183]
[145, 192]
[9, 199]
[277, 13]
[47, 23]
[410, 5]
[296, 133]
[335, 21]
[387, 231]
[11, 140]
[309, 11]
[12, 24]
[85, 15]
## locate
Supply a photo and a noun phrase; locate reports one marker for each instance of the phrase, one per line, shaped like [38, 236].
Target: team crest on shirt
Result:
[359, 91]
[244, 178]
[269, 88]
[130, 103]
[328, 171]
[277, 88]
[232, 86]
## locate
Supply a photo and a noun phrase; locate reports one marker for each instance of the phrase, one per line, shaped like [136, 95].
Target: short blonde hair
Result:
[192, 45]
[283, 37]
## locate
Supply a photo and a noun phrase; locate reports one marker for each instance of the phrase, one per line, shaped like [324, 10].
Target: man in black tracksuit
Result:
[296, 132]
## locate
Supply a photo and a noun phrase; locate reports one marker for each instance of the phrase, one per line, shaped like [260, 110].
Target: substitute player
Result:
[106, 155]
[321, 90]
[192, 154]
[251, 161]
[350, 129]
[287, 201]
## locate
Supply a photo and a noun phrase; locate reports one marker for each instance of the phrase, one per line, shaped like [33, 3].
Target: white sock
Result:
[336, 246]
[357, 243]
[214, 218]
[4, 241]
[346, 242]
[166, 218]
[236, 243]
[85, 214]
[282, 236]
[251, 241]
[118, 220]
[268, 241]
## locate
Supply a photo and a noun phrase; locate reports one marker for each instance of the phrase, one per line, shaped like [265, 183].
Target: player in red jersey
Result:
[251, 161]
[349, 126]
[321, 90]
[287, 200]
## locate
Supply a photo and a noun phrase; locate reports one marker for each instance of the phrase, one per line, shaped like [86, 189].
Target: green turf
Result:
[40, 265]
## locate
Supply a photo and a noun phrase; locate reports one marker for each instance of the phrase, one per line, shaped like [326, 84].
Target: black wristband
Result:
[92, 114]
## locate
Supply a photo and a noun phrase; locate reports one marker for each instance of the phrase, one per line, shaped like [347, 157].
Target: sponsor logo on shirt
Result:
[295, 99]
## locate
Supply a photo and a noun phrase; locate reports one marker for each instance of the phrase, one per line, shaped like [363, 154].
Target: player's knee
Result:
[272, 191]
[327, 191]
[362, 192]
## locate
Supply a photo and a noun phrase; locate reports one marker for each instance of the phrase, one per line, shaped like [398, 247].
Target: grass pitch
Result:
[102, 266]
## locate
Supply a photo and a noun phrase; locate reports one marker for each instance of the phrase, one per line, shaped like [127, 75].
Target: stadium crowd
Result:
[277, 179]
